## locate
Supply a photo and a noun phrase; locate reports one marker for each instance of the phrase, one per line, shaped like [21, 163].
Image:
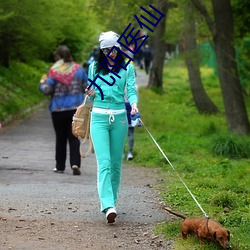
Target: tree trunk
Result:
[159, 48]
[201, 99]
[235, 109]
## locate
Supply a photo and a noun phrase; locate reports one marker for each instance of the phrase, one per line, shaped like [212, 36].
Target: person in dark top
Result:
[147, 58]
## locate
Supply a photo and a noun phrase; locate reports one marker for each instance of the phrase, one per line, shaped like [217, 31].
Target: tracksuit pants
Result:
[108, 133]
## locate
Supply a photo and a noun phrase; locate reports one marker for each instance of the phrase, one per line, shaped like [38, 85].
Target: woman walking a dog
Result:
[109, 125]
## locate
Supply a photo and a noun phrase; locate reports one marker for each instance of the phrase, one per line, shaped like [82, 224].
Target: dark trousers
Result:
[62, 122]
[130, 129]
[130, 139]
[147, 65]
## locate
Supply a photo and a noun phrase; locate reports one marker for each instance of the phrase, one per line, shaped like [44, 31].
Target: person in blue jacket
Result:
[109, 124]
[65, 83]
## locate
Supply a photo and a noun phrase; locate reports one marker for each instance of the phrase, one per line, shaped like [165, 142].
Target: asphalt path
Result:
[31, 190]
[26, 176]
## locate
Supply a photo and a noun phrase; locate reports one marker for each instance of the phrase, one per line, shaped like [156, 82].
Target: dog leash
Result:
[174, 169]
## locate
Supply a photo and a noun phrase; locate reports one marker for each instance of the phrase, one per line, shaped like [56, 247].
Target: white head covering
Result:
[108, 39]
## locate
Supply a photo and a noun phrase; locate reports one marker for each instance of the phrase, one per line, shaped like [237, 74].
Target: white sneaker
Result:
[111, 214]
[58, 171]
[130, 156]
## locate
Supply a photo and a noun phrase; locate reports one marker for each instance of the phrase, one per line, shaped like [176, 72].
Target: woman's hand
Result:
[134, 109]
[90, 92]
[43, 79]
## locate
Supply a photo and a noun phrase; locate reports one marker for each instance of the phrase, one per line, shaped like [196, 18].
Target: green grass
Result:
[214, 164]
[19, 88]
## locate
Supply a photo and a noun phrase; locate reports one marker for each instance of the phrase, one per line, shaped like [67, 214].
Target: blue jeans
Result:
[108, 139]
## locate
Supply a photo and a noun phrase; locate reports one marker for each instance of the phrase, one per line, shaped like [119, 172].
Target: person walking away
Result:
[147, 58]
[131, 129]
[109, 123]
[93, 55]
[65, 84]
[138, 58]
[130, 133]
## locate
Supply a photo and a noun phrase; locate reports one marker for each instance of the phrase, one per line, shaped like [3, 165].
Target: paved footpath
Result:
[30, 192]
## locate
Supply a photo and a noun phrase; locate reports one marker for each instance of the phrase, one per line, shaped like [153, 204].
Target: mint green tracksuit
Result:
[109, 130]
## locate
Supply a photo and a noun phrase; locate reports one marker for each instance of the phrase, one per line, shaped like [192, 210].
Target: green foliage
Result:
[242, 37]
[241, 17]
[41, 29]
[120, 13]
[19, 87]
[175, 24]
[219, 183]
[243, 59]
[116, 15]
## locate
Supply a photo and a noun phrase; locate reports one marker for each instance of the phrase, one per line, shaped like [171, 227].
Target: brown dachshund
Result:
[204, 229]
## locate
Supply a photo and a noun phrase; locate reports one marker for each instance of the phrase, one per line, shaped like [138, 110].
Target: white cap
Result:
[108, 39]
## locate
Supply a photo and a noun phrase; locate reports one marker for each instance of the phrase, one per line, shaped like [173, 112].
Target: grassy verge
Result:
[19, 89]
[214, 164]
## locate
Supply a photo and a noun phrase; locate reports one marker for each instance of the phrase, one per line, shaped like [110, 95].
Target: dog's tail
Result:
[175, 213]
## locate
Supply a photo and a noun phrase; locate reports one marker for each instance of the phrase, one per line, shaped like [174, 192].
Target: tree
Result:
[24, 32]
[28, 33]
[118, 23]
[223, 38]
[111, 14]
[242, 33]
[159, 46]
[201, 99]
